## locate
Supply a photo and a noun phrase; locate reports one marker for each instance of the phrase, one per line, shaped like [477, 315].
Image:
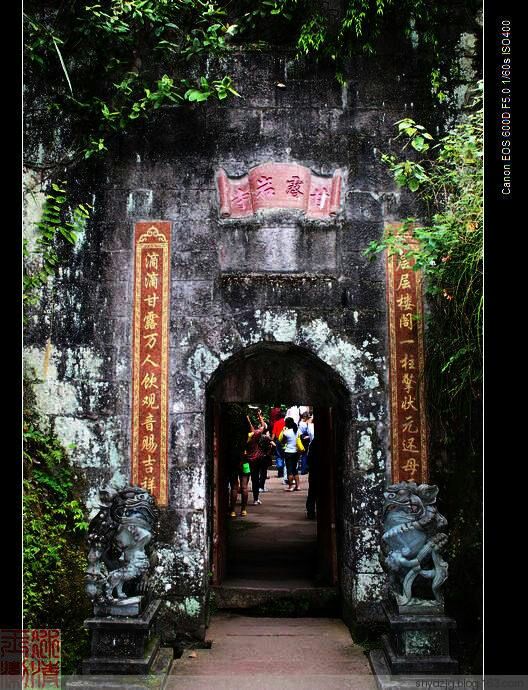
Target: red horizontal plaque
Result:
[406, 344]
[278, 186]
[150, 358]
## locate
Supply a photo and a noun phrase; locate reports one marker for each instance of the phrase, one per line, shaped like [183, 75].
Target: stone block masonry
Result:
[236, 282]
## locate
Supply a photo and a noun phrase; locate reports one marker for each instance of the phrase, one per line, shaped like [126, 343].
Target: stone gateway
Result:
[252, 287]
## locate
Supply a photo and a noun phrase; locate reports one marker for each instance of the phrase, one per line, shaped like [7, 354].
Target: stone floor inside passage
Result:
[273, 548]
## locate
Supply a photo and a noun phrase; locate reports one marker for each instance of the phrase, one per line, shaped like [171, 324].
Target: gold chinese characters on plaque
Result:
[406, 342]
[150, 358]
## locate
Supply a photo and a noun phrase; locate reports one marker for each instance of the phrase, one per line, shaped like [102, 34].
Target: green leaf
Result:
[418, 143]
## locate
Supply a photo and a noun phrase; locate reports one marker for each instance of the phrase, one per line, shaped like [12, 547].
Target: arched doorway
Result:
[280, 371]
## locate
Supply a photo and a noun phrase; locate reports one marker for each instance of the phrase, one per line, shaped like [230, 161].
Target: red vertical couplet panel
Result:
[150, 354]
[406, 345]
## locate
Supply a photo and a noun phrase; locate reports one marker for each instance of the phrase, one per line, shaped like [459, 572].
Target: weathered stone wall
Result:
[234, 284]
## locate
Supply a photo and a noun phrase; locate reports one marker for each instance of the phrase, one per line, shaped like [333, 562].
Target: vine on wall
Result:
[58, 223]
[97, 69]
[448, 248]
[449, 252]
[102, 66]
[54, 528]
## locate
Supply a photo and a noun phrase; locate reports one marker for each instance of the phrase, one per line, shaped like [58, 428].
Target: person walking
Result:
[239, 472]
[305, 434]
[267, 446]
[256, 455]
[279, 453]
[292, 445]
[275, 414]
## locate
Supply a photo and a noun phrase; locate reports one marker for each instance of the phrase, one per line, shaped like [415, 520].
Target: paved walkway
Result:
[274, 654]
[275, 541]
[273, 548]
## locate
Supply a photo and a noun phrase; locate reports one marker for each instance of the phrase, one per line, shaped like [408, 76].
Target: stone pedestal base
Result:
[156, 679]
[123, 645]
[417, 643]
[127, 607]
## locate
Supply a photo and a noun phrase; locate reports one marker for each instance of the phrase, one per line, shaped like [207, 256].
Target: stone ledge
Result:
[248, 278]
[304, 598]
[155, 679]
[142, 622]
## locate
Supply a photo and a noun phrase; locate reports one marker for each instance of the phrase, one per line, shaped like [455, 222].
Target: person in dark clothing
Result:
[238, 479]
[237, 466]
[267, 446]
[256, 455]
[313, 463]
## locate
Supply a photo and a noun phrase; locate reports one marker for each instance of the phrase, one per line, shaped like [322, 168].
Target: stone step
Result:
[297, 667]
[272, 653]
[283, 600]
[250, 680]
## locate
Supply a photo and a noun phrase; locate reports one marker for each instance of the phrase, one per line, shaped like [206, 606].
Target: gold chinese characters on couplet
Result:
[150, 358]
[406, 343]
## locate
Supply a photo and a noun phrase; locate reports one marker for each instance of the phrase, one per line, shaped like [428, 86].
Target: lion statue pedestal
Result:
[124, 640]
[411, 554]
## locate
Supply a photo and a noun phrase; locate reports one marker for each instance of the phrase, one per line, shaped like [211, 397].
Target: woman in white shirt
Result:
[288, 438]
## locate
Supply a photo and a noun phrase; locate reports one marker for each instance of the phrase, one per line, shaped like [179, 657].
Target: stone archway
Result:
[268, 371]
[210, 351]
[257, 371]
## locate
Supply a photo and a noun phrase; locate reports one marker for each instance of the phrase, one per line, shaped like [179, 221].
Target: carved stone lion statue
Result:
[117, 538]
[412, 540]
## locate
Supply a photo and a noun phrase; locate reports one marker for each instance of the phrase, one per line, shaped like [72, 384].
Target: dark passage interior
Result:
[275, 545]
[275, 541]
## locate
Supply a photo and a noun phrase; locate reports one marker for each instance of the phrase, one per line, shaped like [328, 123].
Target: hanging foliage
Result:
[448, 249]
